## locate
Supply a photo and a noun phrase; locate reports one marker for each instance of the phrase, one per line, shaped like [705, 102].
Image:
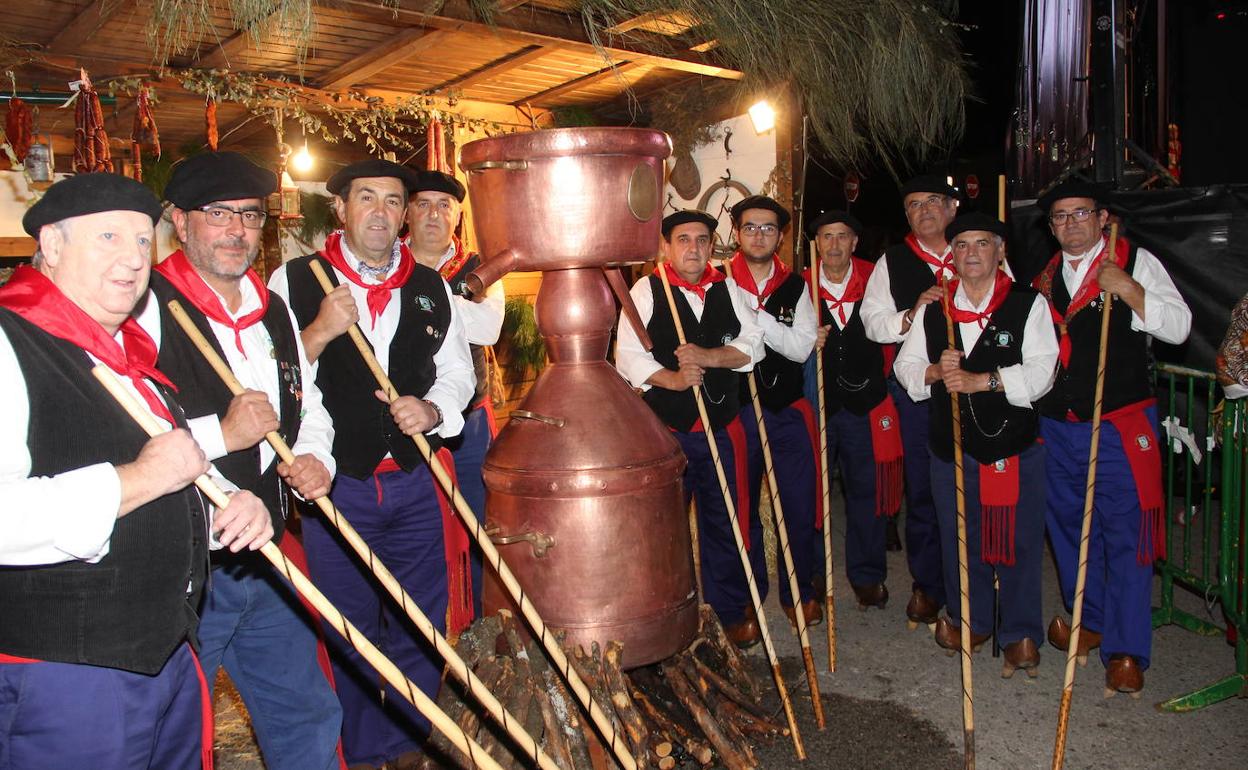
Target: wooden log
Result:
[713, 702]
[589, 666]
[729, 753]
[567, 714]
[672, 721]
[625, 709]
[713, 634]
[749, 723]
[728, 689]
[490, 735]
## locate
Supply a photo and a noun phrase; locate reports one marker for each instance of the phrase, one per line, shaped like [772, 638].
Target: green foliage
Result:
[528, 350]
[318, 216]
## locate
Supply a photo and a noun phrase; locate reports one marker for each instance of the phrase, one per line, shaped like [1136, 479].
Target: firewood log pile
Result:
[695, 709]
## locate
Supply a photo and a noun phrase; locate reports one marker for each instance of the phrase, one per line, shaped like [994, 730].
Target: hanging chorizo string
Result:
[144, 131]
[91, 152]
[19, 128]
[210, 123]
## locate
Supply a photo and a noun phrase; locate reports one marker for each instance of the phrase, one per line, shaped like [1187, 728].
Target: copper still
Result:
[583, 485]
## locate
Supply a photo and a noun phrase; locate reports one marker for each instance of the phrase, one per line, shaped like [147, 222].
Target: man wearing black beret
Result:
[383, 484]
[722, 341]
[433, 214]
[105, 542]
[863, 428]
[251, 620]
[786, 316]
[1002, 362]
[1128, 523]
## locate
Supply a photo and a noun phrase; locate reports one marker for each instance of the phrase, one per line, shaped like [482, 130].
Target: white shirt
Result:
[456, 381]
[636, 364]
[838, 290]
[793, 342]
[483, 321]
[61, 518]
[1022, 383]
[1166, 315]
[256, 371]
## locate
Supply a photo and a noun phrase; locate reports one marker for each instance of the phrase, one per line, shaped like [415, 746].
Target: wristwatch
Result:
[994, 384]
[438, 410]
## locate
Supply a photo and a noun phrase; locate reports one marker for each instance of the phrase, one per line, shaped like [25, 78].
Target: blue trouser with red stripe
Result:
[66, 716]
[724, 585]
[1021, 612]
[398, 515]
[794, 463]
[922, 532]
[850, 446]
[1117, 598]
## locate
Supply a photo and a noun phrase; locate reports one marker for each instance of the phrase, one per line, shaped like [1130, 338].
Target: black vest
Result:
[779, 379]
[992, 427]
[719, 326]
[908, 275]
[201, 392]
[133, 608]
[364, 431]
[459, 287]
[853, 366]
[1128, 365]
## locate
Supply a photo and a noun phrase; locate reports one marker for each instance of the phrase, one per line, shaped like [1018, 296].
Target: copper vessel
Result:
[583, 485]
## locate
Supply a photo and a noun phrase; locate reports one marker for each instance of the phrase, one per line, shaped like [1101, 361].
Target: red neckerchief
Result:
[855, 289]
[1000, 290]
[453, 264]
[942, 264]
[1089, 290]
[710, 277]
[745, 279]
[378, 293]
[33, 296]
[182, 274]
[998, 503]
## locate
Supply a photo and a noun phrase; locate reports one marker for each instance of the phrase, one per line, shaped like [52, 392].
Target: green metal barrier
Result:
[1205, 501]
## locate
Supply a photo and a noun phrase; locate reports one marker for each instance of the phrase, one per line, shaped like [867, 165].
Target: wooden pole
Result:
[777, 508]
[964, 594]
[1085, 534]
[736, 534]
[510, 724]
[557, 656]
[390, 672]
[825, 484]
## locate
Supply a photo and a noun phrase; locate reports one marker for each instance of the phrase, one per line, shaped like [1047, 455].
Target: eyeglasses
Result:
[753, 229]
[221, 216]
[926, 203]
[1078, 215]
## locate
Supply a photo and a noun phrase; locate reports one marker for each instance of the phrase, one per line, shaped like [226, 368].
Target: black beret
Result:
[436, 181]
[975, 220]
[1073, 188]
[928, 183]
[90, 194]
[373, 167]
[761, 202]
[833, 217]
[217, 176]
[684, 216]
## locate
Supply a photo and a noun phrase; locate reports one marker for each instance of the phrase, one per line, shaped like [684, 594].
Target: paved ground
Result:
[895, 700]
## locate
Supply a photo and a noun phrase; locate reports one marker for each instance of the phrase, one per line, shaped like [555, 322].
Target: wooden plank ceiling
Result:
[534, 57]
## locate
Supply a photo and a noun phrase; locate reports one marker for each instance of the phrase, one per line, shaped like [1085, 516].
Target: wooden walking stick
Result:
[825, 485]
[964, 594]
[736, 533]
[508, 721]
[1085, 534]
[618, 745]
[390, 672]
[803, 632]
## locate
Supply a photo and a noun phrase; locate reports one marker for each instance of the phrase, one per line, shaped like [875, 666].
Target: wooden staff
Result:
[736, 533]
[812, 678]
[825, 484]
[618, 745]
[390, 672]
[1085, 535]
[513, 726]
[964, 594]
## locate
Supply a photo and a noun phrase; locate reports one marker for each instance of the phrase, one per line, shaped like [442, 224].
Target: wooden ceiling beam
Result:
[502, 6]
[499, 66]
[88, 22]
[405, 45]
[233, 46]
[607, 73]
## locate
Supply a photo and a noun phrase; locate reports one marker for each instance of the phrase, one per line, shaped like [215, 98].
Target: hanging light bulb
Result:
[302, 161]
[763, 116]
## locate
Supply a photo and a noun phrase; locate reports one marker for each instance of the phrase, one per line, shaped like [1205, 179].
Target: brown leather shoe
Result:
[1022, 654]
[745, 634]
[1059, 637]
[874, 595]
[812, 613]
[1123, 674]
[949, 636]
[921, 608]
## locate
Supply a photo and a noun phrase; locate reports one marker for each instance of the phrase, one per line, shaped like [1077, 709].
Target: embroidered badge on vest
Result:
[292, 378]
[424, 303]
[1004, 339]
[727, 338]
